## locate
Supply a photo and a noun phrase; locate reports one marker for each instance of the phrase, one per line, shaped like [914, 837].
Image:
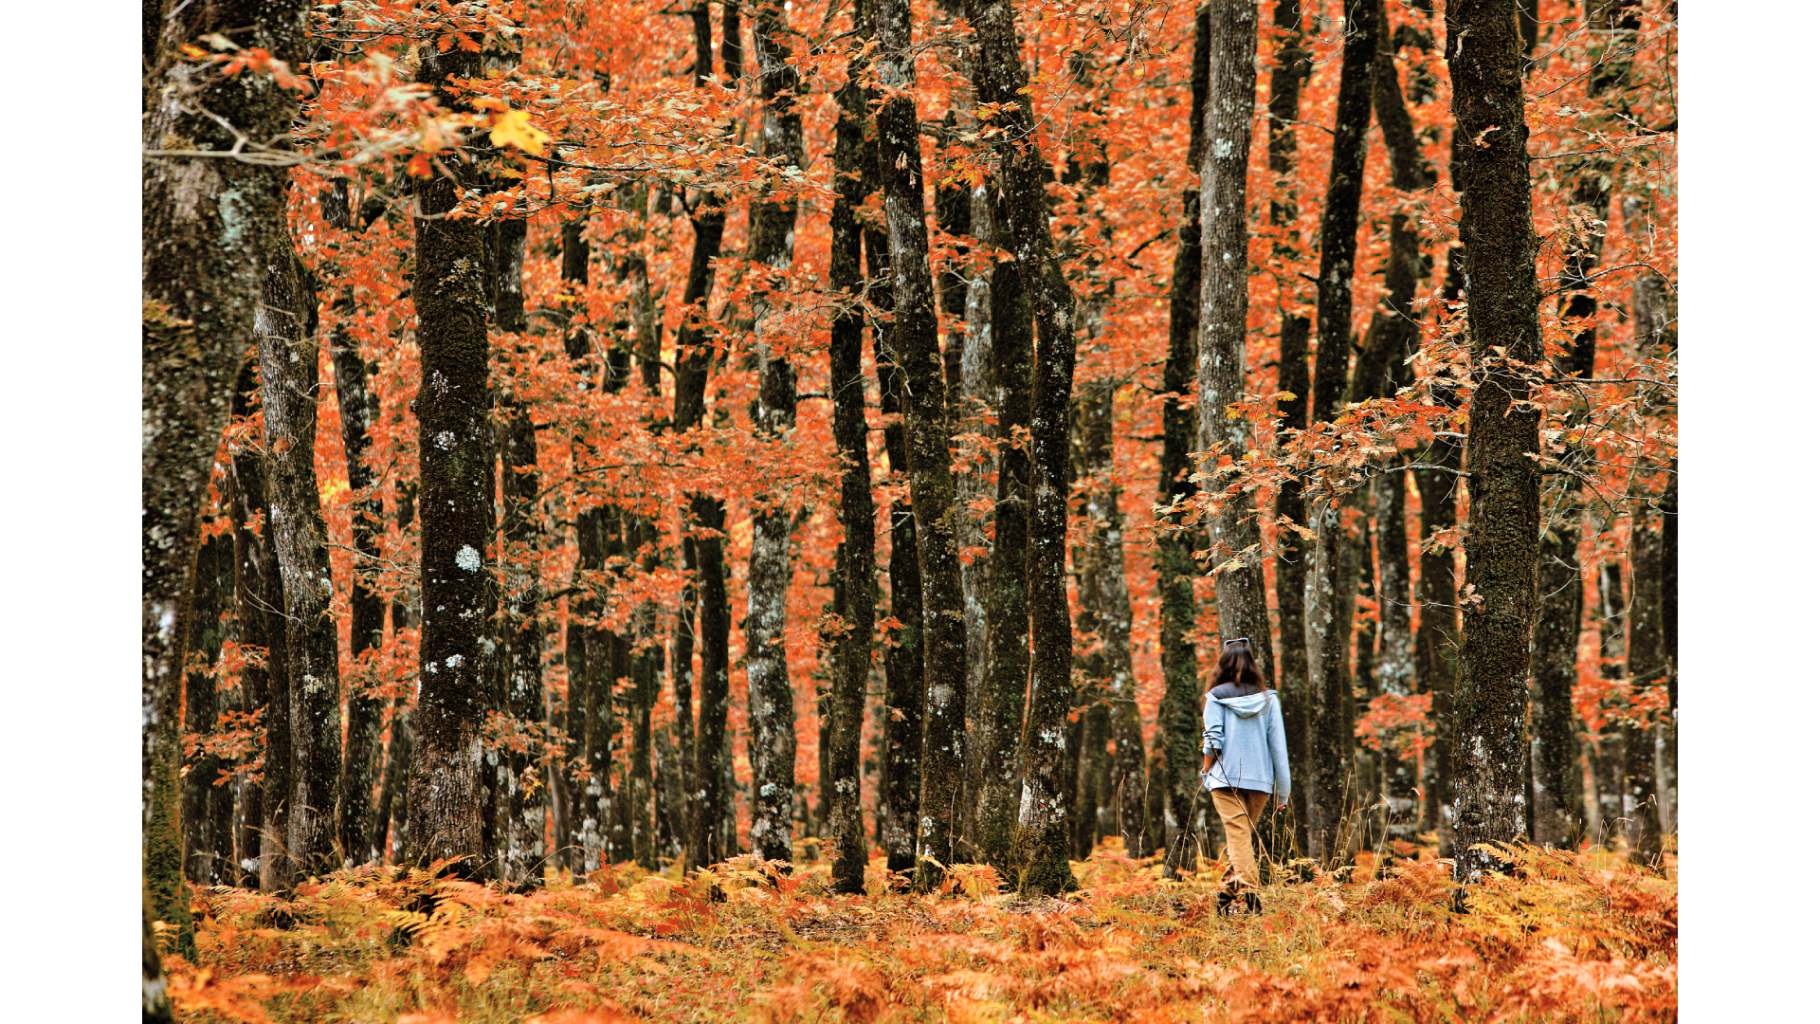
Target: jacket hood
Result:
[1248, 706]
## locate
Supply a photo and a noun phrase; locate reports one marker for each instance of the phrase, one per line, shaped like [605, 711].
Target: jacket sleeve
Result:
[1213, 726]
[1279, 750]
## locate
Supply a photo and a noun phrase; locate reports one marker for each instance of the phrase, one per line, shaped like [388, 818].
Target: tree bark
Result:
[1331, 585]
[1486, 62]
[1178, 713]
[288, 375]
[359, 412]
[858, 592]
[1290, 69]
[773, 716]
[455, 461]
[1104, 574]
[914, 346]
[1007, 677]
[205, 223]
[207, 807]
[1225, 298]
[1040, 840]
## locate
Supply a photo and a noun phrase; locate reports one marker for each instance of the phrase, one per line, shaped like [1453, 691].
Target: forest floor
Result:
[1580, 936]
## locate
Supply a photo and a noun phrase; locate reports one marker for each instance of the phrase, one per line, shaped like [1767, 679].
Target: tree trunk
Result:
[914, 347]
[1007, 678]
[1330, 586]
[207, 846]
[1103, 589]
[455, 461]
[523, 623]
[359, 412]
[1502, 529]
[1040, 839]
[1290, 69]
[1178, 714]
[1225, 297]
[858, 592]
[206, 223]
[289, 378]
[773, 716]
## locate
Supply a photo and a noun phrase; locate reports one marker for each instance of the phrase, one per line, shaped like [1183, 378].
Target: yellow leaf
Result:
[514, 128]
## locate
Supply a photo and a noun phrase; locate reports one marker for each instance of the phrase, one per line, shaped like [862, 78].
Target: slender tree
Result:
[1225, 298]
[455, 462]
[359, 414]
[1486, 62]
[288, 374]
[207, 807]
[1288, 71]
[773, 714]
[1334, 568]
[857, 594]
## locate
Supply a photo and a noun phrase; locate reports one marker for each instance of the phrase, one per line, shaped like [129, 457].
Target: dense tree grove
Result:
[643, 431]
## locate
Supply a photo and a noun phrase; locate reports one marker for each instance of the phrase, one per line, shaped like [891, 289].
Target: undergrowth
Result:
[1566, 937]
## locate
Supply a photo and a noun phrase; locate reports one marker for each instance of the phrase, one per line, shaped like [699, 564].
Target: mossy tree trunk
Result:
[206, 222]
[858, 590]
[1490, 773]
[455, 466]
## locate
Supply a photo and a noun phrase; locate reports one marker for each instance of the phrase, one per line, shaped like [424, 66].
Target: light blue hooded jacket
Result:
[1246, 731]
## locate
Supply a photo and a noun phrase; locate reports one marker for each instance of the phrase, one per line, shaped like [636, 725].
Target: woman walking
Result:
[1244, 762]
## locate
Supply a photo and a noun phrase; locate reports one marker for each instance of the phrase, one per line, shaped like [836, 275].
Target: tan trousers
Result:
[1241, 811]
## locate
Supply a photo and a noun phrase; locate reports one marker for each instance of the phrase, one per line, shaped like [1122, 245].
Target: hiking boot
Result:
[1223, 904]
[1253, 904]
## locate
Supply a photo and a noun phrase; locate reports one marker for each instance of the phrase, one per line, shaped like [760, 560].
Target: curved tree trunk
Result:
[455, 462]
[1501, 542]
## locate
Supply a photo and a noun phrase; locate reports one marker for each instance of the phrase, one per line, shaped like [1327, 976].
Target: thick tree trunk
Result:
[1040, 841]
[914, 346]
[206, 223]
[1331, 583]
[773, 716]
[288, 374]
[1007, 678]
[207, 842]
[455, 461]
[1225, 298]
[1178, 748]
[858, 591]
[1502, 529]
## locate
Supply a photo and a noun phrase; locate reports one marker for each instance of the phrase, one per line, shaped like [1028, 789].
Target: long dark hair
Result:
[1237, 666]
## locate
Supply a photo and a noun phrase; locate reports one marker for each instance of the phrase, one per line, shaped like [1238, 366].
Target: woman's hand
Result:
[1206, 763]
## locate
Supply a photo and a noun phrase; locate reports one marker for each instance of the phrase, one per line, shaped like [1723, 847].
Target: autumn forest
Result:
[733, 509]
